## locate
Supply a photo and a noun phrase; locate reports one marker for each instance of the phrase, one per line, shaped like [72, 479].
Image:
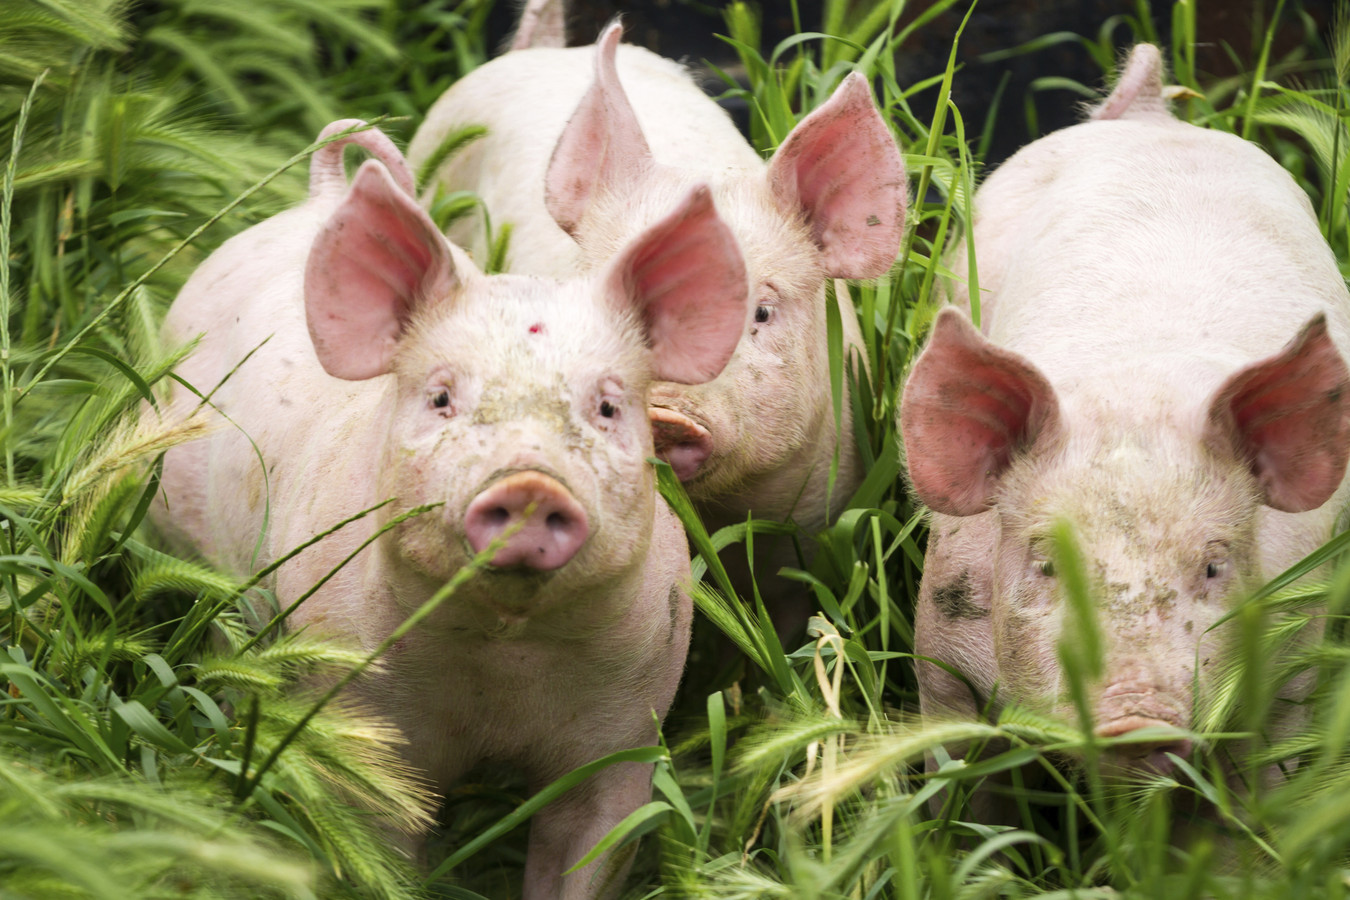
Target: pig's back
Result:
[255, 360]
[1132, 238]
[525, 99]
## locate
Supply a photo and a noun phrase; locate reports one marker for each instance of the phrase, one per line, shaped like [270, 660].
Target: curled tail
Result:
[1139, 90]
[326, 172]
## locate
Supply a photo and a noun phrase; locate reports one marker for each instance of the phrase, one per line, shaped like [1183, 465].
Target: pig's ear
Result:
[968, 407]
[326, 172]
[1139, 89]
[841, 170]
[1289, 418]
[685, 279]
[375, 258]
[602, 146]
[543, 23]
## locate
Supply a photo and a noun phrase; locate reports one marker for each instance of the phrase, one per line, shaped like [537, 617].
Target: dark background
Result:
[684, 30]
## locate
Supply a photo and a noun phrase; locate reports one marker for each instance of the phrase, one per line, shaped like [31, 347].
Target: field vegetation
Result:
[152, 739]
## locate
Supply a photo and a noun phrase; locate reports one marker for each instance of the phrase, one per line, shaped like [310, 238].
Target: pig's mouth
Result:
[1152, 725]
[1157, 741]
[680, 441]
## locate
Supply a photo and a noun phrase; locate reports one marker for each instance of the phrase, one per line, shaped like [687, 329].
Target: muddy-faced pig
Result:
[1157, 365]
[577, 170]
[387, 366]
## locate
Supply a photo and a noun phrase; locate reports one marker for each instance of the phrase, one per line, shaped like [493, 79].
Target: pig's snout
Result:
[553, 524]
[680, 441]
[1150, 755]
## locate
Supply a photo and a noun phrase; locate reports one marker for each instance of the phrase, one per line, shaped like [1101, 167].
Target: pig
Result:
[577, 169]
[385, 365]
[543, 23]
[1160, 363]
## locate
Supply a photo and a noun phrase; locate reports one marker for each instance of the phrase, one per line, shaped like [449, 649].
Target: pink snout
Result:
[553, 524]
[1148, 754]
[680, 441]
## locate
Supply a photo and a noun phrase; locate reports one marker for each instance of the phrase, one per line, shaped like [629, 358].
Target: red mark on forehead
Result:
[537, 328]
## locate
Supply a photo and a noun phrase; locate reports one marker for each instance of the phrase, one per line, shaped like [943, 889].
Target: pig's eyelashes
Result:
[1045, 567]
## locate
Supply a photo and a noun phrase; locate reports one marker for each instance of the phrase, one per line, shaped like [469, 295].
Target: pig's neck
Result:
[507, 607]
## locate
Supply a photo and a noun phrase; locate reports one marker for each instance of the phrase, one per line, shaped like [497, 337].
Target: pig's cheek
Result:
[767, 411]
[626, 497]
[1026, 631]
[426, 469]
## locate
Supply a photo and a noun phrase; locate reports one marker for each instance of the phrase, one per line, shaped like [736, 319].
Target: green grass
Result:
[144, 726]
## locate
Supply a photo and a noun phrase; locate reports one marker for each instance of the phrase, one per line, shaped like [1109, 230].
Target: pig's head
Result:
[831, 204]
[516, 400]
[1163, 488]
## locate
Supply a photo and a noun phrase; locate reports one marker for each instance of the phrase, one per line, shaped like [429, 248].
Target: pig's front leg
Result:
[565, 830]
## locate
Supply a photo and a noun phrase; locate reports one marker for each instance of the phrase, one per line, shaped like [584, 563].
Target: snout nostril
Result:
[539, 520]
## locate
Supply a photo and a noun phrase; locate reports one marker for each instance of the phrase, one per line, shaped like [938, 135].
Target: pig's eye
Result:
[763, 313]
[1046, 568]
[608, 403]
[1217, 563]
[439, 400]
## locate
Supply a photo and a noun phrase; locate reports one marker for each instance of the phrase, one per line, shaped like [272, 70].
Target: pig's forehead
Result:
[1134, 491]
[776, 244]
[531, 326]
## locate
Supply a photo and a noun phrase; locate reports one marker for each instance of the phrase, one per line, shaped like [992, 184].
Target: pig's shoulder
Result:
[263, 265]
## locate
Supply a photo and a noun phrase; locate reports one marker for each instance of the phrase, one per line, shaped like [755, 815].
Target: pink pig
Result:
[388, 366]
[1158, 366]
[578, 170]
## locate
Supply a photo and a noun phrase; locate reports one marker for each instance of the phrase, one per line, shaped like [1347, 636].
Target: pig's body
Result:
[512, 395]
[1153, 373]
[761, 437]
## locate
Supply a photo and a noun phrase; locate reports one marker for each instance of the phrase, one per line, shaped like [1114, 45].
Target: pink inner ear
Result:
[374, 260]
[686, 278]
[602, 144]
[841, 168]
[968, 406]
[1290, 417]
